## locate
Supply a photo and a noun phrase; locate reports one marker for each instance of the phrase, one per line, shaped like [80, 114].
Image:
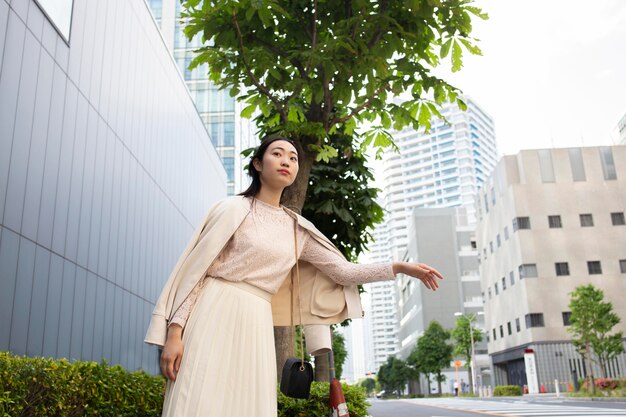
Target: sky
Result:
[552, 74]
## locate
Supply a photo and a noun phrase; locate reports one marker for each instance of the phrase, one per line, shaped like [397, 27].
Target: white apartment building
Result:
[550, 220]
[621, 130]
[441, 168]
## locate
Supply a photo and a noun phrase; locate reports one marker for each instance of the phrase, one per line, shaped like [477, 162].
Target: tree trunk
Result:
[470, 379]
[428, 381]
[293, 198]
[322, 368]
[439, 383]
[590, 383]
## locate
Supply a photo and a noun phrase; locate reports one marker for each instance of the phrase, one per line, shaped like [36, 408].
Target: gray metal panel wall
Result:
[105, 170]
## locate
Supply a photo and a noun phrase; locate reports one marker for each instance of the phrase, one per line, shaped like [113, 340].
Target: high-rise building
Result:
[103, 178]
[230, 133]
[621, 131]
[550, 220]
[442, 168]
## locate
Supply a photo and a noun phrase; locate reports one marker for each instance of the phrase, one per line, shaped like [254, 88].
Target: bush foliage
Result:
[507, 391]
[49, 387]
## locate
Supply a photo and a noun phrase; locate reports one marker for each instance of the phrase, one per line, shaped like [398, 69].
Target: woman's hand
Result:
[427, 274]
[172, 352]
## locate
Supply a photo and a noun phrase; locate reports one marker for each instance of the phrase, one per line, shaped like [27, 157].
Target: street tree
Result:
[432, 353]
[393, 375]
[369, 384]
[312, 68]
[463, 341]
[591, 322]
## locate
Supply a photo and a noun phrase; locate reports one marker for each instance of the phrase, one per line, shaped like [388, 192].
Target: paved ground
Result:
[530, 407]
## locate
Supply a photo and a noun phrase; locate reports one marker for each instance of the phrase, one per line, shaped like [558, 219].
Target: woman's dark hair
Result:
[255, 186]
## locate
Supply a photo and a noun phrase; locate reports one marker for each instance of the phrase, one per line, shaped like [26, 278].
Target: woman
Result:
[229, 289]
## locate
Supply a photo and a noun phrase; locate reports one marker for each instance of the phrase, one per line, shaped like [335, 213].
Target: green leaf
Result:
[445, 48]
[473, 49]
[248, 111]
[250, 13]
[457, 55]
[385, 120]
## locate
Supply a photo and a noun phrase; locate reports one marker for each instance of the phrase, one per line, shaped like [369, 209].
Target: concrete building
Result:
[103, 177]
[550, 221]
[230, 133]
[442, 168]
[441, 237]
[621, 131]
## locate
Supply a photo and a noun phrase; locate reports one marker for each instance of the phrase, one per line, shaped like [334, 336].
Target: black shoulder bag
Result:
[297, 373]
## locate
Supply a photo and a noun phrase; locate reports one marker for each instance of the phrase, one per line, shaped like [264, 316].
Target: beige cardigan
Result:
[323, 300]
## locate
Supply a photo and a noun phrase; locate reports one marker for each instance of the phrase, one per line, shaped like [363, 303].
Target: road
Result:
[453, 407]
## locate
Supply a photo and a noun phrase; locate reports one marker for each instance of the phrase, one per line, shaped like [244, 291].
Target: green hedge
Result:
[507, 391]
[48, 387]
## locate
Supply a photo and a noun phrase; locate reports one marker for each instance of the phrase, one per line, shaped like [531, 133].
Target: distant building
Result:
[230, 133]
[443, 238]
[442, 168]
[550, 220]
[105, 171]
[621, 130]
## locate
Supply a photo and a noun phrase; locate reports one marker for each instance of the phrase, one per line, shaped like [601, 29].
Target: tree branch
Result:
[358, 109]
[262, 88]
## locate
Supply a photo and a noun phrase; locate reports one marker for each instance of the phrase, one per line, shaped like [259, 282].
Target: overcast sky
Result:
[552, 74]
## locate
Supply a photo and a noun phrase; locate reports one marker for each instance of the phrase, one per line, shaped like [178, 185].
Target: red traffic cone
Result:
[338, 405]
[543, 389]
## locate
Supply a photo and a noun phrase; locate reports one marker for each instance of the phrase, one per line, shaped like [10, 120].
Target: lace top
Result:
[261, 253]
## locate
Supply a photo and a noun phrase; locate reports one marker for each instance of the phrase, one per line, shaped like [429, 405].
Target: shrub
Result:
[45, 387]
[48, 387]
[507, 391]
[317, 404]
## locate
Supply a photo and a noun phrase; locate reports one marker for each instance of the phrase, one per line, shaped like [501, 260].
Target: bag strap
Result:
[295, 239]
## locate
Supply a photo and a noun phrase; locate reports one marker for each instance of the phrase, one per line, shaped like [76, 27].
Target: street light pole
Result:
[470, 318]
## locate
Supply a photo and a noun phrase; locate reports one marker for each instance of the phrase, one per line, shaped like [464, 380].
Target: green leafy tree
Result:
[591, 323]
[369, 384]
[432, 353]
[393, 375]
[311, 69]
[463, 341]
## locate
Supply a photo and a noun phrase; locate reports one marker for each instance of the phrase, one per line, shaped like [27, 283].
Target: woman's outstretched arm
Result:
[347, 273]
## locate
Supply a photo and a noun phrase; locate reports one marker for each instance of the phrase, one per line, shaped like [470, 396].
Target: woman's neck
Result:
[269, 196]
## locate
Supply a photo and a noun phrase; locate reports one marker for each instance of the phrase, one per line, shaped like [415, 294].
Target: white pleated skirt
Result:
[229, 360]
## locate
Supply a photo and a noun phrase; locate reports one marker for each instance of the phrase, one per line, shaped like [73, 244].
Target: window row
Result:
[561, 269]
[531, 319]
[554, 222]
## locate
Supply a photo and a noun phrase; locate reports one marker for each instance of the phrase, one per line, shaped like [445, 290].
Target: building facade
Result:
[550, 220]
[230, 133]
[442, 168]
[103, 177]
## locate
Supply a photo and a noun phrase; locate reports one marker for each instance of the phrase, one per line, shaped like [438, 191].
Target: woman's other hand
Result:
[427, 274]
[172, 352]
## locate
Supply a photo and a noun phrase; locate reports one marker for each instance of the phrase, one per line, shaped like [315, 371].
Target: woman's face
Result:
[279, 166]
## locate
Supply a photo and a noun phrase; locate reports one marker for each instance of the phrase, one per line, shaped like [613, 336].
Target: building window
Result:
[506, 233]
[517, 326]
[534, 320]
[59, 12]
[496, 288]
[512, 278]
[521, 223]
[473, 244]
[566, 318]
[562, 268]
[493, 197]
[527, 271]
[622, 266]
[586, 220]
[489, 292]
[486, 203]
[491, 247]
[618, 219]
[498, 240]
[594, 267]
[608, 164]
[576, 164]
[508, 328]
[494, 334]
[501, 331]
[554, 222]
[503, 283]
